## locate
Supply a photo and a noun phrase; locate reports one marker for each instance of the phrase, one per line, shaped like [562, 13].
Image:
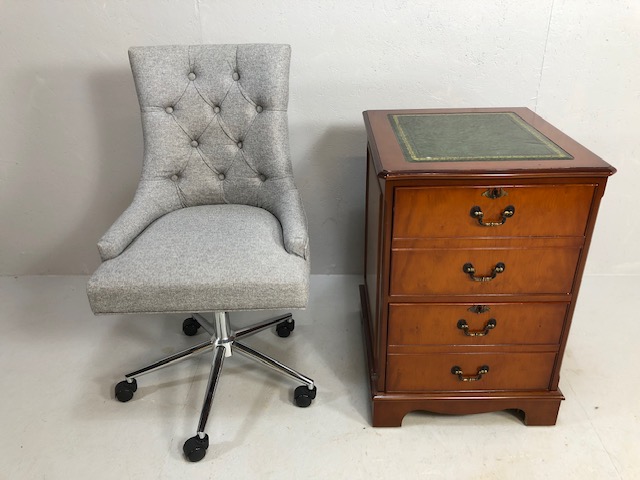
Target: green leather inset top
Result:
[453, 137]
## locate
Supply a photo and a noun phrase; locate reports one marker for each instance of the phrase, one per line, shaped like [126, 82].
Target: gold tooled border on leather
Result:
[558, 153]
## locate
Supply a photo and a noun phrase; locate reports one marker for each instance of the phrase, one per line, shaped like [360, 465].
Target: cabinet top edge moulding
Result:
[494, 137]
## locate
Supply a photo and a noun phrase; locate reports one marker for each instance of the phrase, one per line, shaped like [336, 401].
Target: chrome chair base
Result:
[224, 343]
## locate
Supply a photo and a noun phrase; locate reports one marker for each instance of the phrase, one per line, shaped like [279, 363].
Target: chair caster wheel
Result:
[124, 390]
[190, 327]
[303, 396]
[196, 448]
[284, 329]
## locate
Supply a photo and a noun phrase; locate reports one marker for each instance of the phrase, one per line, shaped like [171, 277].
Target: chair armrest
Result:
[148, 205]
[286, 205]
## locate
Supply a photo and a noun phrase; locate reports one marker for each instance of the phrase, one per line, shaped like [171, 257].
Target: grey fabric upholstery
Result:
[202, 259]
[216, 222]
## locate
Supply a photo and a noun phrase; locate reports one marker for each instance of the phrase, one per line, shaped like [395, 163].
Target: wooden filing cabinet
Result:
[478, 224]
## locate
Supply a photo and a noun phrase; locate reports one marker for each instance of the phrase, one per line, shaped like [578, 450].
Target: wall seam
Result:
[198, 17]
[544, 56]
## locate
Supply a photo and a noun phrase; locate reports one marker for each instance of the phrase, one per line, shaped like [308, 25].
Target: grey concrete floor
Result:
[59, 419]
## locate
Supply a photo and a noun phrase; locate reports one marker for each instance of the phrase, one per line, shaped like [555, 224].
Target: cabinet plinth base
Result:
[389, 409]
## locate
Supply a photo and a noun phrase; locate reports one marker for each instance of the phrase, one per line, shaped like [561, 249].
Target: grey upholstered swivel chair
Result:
[216, 224]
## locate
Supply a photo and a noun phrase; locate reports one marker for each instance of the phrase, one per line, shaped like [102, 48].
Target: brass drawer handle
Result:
[470, 270]
[456, 370]
[477, 213]
[491, 324]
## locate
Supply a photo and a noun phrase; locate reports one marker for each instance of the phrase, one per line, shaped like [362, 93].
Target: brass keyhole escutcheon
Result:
[494, 193]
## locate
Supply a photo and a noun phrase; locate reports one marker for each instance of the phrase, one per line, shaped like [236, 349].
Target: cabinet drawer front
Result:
[433, 372]
[436, 212]
[441, 272]
[494, 324]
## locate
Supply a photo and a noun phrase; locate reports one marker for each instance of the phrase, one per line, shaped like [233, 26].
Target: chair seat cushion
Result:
[201, 259]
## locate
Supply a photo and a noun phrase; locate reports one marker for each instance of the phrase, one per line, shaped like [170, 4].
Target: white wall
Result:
[70, 139]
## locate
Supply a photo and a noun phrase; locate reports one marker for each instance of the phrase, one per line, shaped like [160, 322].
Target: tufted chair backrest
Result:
[214, 119]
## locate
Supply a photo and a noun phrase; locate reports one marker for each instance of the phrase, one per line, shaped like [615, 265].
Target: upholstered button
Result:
[192, 76]
[194, 143]
[169, 109]
[259, 109]
[221, 176]
[262, 177]
[174, 178]
[216, 109]
[239, 144]
[235, 76]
